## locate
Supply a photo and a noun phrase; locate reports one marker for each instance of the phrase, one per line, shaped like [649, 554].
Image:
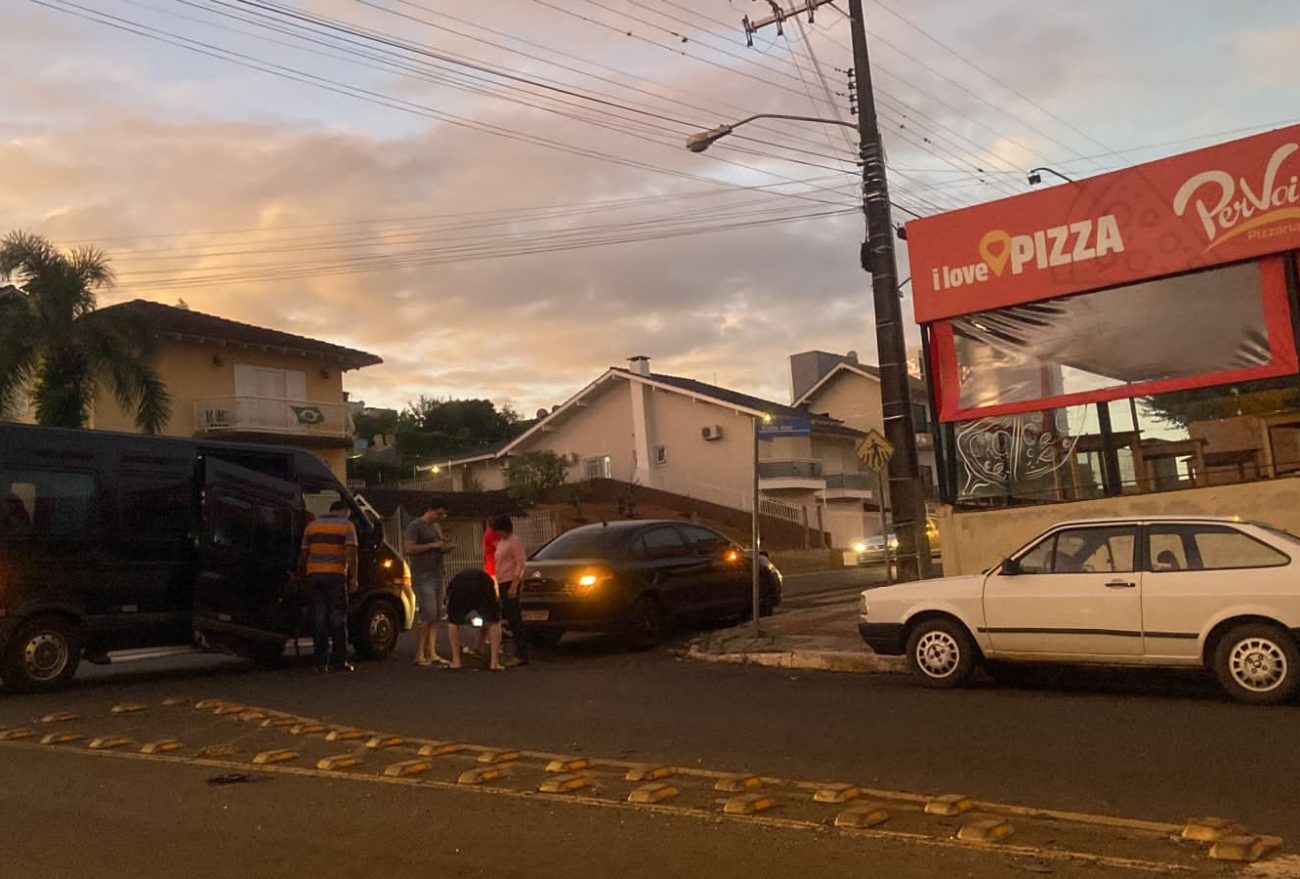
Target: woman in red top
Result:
[490, 541]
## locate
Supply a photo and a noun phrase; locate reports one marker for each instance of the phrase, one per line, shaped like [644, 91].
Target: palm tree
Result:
[54, 344]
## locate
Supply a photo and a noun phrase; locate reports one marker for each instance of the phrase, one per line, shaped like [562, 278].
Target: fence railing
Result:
[790, 468]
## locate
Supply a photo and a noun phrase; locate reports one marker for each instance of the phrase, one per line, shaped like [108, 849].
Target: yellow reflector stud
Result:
[279, 755]
[572, 764]
[1211, 829]
[985, 830]
[563, 784]
[861, 816]
[408, 768]
[166, 746]
[735, 783]
[498, 756]
[440, 749]
[344, 735]
[57, 738]
[649, 773]
[1244, 849]
[128, 708]
[338, 761]
[380, 742]
[109, 743]
[60, 717]
[949, 804]
[837, 793]
[483, 774]
[654, 792]
[748, 804]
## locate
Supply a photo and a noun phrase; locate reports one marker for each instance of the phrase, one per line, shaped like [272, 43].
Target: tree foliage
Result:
[532, 473]
[55, 346]
[1264, 397]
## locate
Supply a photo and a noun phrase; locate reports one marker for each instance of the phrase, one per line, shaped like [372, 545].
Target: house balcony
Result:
[263, 418]
[850, 486]
[790, 474]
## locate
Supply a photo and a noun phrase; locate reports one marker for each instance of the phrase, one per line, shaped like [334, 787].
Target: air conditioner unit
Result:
[711, 433]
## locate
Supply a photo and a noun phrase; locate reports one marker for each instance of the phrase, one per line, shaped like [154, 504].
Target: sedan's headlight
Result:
[859, 547]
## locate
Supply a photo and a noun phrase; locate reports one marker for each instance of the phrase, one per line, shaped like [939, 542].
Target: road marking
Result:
[564, 784]
[737, 783]
[1284, 867]
[1050, 854]
[648, 773]
[949, 805]
[748, 804]
[568, 765]
[408, 767]
[985, 830]
[862, 816]
[128, 708]
[837, 793]
[654, 792]
[1245, 848]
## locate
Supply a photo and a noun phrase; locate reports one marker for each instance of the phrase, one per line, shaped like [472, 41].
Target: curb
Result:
[811, 660]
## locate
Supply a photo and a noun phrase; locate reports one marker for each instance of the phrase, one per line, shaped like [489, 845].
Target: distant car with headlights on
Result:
[871, 550]
[637, 577]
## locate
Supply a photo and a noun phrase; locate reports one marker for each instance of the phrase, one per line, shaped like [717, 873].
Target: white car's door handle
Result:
[1120, 584]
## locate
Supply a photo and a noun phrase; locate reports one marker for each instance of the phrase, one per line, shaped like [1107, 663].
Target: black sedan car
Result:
[635, 577]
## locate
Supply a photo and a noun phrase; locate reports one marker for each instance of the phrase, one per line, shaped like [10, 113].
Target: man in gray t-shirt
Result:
[425, 548]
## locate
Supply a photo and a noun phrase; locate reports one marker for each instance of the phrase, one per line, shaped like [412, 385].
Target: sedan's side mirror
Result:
[1011, 568]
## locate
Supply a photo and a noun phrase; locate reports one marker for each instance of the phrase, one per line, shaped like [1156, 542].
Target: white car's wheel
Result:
[940, 652]
[1259, 663]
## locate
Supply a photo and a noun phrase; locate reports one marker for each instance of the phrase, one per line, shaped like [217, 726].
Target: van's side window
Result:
[151, 507]
[46, 503]
[259, 529]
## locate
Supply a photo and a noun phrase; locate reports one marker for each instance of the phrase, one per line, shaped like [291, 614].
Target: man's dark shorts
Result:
[472, 591]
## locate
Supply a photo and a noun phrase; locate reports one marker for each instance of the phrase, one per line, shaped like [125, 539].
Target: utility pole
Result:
[906, 497]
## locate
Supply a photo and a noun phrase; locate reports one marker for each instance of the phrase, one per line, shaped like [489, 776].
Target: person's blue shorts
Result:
[431, 593]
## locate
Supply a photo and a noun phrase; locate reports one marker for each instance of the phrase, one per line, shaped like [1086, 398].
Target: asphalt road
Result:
[1154, 748]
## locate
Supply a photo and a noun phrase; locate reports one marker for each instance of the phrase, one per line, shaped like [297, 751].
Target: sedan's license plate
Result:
[535, 616]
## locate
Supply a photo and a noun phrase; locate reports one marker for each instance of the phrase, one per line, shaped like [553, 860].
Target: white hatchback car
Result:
[1152, 591]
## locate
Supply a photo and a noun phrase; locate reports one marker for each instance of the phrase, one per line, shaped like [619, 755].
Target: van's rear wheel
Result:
[380, 625]
[43, 654]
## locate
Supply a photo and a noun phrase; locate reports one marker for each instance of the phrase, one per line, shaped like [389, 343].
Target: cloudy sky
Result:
[493, 196]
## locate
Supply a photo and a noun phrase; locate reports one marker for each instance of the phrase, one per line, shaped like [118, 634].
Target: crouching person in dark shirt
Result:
[469, 592]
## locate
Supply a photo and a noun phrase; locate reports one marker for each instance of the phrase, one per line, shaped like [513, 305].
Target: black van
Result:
[112, 541]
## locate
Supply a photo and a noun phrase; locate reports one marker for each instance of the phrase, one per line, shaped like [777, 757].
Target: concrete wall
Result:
[601, 427]
[976, 540]
[723, 466]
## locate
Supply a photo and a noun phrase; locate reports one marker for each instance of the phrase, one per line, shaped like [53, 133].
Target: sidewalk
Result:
[815, 638]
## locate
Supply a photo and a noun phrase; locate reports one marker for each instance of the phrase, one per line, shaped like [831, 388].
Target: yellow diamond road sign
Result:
[874, 450]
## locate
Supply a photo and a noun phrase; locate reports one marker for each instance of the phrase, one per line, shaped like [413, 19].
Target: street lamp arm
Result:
[701, 141]
[1035, 175]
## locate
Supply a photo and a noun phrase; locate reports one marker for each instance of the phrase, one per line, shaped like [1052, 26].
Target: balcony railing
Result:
[213, 415]
[790, 468]
[850, 481]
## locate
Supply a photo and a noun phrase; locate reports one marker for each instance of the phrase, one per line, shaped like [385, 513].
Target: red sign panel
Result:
[1216, 205]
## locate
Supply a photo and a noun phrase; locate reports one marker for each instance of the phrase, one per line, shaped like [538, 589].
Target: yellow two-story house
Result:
[236, 381]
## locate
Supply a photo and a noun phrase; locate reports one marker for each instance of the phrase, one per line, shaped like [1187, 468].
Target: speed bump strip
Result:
[483, 774]
[279, 755]
[649, 773]
[344, 735]
[492, 757]
[166, 746]
[208, 704]
[654, 792]
[338, 761]
[440, 749]
[949, 805]
[60, 717]
[109, 743]
[1244, 848]
[737, 783]
[60, 738]
[407, 768]
[837, 793]
[128, 708]
[307, 729]
[563, 784]
[223, 710]
[748, 804]
[225, 749]
[861, 816]
[277, 722]
[985, 830]
[378, 743]
[571, 765]
[1211, 829]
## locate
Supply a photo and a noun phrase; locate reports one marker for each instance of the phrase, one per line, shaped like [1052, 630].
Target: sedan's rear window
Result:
[582, 543]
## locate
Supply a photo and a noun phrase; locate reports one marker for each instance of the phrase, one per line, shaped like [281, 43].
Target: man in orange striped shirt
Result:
[329, 558]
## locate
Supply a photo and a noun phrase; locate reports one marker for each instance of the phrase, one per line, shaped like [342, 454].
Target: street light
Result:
[1036, 175]
[702, 140]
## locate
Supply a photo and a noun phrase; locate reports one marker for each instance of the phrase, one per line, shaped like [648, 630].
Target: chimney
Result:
[640, 364]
